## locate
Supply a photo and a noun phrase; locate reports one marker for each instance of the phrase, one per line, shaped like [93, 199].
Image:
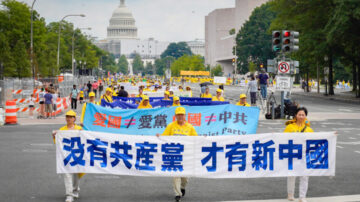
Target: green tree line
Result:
[15, 44]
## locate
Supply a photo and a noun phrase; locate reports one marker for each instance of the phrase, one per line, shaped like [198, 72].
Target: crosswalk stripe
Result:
[349, 198]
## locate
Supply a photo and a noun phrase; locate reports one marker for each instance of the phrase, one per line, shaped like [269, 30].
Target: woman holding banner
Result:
[207, 93]
[107, 96]
[176, 102]
[299, 124]
[218, 96]
[71, 180]
[144, 104]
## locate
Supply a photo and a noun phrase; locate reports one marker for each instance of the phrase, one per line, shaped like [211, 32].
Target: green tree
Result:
[123, 65]
[343, 32]
[252, 67]
[149, 69]
[22, 64]
[186, 62]
[217, 71]
[177, 50]
[253, 42]
[160, 67]
[137, 65]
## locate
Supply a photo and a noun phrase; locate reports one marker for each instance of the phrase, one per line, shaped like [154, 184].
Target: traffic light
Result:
[286, 42]
[294, 40]
[276, 41]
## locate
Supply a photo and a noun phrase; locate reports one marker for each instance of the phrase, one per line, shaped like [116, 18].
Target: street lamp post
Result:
[58, 52]
[72, 54]
[31, 43]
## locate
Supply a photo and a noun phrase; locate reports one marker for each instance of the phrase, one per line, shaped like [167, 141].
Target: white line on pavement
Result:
[340, 147]
[348, 198]
[357, 152]
[352, 138]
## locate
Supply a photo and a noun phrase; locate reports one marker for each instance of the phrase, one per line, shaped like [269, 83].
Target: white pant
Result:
[72, 187]
[303, 187]
[178, 184]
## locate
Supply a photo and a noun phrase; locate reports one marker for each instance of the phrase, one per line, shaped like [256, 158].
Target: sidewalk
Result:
[340, 95]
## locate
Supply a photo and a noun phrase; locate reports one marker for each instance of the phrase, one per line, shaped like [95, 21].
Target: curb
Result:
[321, 96]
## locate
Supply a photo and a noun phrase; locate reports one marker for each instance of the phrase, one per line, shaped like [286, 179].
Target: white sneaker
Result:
[69, 199]
[302, 200]
[290, 197]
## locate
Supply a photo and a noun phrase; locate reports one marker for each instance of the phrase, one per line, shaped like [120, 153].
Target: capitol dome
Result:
[122, 24]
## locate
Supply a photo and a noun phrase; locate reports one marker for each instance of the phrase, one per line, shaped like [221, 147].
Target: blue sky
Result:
[165, 20]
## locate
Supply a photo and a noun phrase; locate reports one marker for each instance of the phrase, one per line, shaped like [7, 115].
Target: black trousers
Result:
[73, 103]
[253, 97]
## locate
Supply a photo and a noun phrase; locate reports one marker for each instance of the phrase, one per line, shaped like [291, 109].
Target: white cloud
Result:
[165, 20]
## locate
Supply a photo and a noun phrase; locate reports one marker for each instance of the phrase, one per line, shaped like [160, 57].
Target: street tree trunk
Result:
[354, 77]
[358, 90]
[331, 83]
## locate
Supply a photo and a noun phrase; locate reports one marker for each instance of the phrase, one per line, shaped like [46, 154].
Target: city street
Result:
[28, 171]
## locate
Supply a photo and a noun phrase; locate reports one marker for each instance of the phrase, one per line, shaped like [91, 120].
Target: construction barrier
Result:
[10, 112]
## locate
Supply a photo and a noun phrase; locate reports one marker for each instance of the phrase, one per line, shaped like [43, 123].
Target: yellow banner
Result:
[194, 73]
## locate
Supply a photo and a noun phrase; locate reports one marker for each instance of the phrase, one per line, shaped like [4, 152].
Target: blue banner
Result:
[208, 120]
[159, 103]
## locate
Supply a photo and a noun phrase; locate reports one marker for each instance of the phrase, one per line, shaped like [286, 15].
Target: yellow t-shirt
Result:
[83, 111]
[140, 95]
[244, 105]
[204, 95]
[81, 94]
[141, 105]
[220, 99]
[106, 98]
[76, 127]
[294, 128]
[174, 129]
[176, 105]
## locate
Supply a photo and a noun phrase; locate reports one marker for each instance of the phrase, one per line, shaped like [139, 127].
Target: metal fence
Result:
[15, 88]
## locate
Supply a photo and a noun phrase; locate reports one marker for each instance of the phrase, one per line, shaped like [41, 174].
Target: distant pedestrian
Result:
[55, 97]
[42, 103]
[101, 88]
[74, 97]
[89, 86]
[32, 101]
[253, 87]
[95, 87]
[48, 103]
[263, 80]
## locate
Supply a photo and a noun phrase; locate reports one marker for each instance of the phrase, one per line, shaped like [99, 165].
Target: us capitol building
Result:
[122, 37]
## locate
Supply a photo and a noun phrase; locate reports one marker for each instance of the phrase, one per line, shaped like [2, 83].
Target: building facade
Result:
[219, 44]
[122, 37]
[197, 47]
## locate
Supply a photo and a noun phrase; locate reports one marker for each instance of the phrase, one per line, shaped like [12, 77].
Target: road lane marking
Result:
[357, 152]
[340, 147]
[34, 150]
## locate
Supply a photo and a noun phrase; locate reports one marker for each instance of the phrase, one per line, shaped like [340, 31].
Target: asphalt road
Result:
[27, 168]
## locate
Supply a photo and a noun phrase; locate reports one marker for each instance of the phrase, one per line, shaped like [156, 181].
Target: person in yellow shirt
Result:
[176, 102]
[189, 89]
[107, 96]
[181, 89]
[299, 124]
[207, 93]
[81, 95]
[166, 95]
[71, 180]
[218, 96]
[155, 89]
[147, 88]
[91, 100]
[242, 101]
[180, 127]
[145, 104]
[171, 93]
[140, 93]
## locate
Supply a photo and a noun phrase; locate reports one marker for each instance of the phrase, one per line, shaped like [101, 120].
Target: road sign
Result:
[283, 83]
[284, 67]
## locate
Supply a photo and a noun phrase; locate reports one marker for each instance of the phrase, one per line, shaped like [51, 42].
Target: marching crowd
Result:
[178, 127]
